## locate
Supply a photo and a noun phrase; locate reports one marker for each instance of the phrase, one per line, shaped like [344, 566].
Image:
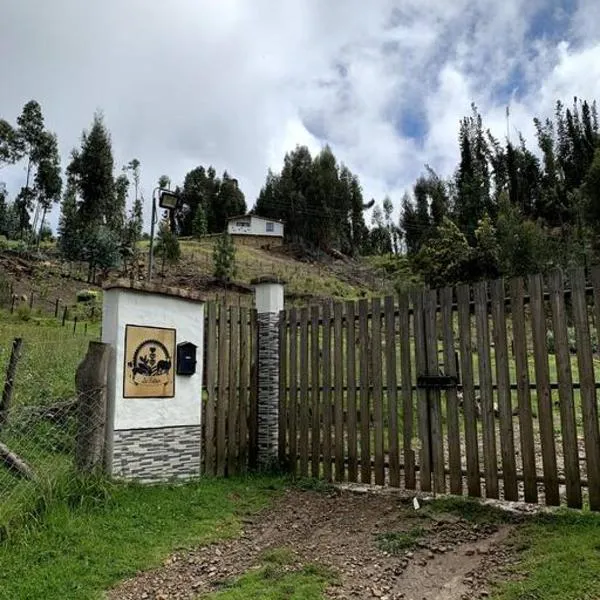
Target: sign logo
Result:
[149, 362]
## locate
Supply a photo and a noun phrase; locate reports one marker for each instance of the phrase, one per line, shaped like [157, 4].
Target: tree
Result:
[486, 255]
[445, 257]
[167, 245]
[8, 143]
[199, 226]
[91, 169]
[224, 258]
[70, 243]
[116, 221]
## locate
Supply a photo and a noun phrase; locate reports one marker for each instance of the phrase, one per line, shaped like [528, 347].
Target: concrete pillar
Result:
[154, 411]
[269, 304]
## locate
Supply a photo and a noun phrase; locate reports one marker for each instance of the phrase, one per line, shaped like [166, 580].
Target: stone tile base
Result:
[152, 455]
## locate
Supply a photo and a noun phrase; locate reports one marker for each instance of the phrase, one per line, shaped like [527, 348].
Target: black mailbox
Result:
[186, 358]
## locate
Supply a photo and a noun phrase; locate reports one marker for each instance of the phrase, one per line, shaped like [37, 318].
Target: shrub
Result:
[87, 296]
[23, 312]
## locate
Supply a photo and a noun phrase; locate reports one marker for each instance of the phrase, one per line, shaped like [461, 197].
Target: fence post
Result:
[9, 382]
[64, 317]
[91, 381]
[269, 304]
[56, 305]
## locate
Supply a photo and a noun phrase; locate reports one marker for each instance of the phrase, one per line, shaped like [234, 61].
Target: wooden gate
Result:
[229, 420]
[488, 389]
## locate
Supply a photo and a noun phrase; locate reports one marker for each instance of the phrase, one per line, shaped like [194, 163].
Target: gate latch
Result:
[436, 381]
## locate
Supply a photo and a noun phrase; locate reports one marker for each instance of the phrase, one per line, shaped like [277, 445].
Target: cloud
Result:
[237, 83]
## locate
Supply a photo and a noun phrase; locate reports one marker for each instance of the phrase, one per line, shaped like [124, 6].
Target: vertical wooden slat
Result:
[253, 399]
[463, 294]
[392, 391]
[565, 389]
[304, 422]
[377, 391]
[407, 394]
[293, 396]
[351, 390]
[365, 444]
[490, 460]
[507, 439]
[422, 398]
[327, 392]
[451, 395]
[544, 394]
[436, 434]
[283, 382]
[222, 394]
[587, 381]
[233, 409]
[244, 384]
[315, 370]
[211, 400]
[338, 374]
[523, 390]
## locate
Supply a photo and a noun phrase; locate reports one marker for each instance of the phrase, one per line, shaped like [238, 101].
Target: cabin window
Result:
[270, 227]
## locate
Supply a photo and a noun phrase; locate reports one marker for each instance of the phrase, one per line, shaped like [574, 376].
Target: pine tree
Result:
[199, 226]
[224, 258]
[69, 229]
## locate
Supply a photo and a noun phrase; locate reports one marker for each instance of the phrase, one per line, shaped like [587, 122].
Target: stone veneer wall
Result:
[157, 454]
[268, 390]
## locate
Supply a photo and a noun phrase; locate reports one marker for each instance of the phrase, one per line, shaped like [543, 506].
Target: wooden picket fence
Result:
[230, 399]
[489, 389]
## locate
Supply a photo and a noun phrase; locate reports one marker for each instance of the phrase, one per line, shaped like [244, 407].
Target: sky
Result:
[238, 83]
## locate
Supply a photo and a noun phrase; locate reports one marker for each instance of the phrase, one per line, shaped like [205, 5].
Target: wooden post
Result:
[91, 382]
[31, 301]
[74, 324]
[9, 382]
[12, 304]
[64, 317]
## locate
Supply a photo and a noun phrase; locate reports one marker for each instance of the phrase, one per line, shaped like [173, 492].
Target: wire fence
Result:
[44, 426]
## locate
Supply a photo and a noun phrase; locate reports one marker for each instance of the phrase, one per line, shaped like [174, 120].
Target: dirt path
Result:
[347, 532]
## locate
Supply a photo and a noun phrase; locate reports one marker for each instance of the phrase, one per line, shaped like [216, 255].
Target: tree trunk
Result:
[15, 463]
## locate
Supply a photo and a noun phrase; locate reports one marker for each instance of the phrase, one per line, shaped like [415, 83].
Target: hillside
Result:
[307, 280]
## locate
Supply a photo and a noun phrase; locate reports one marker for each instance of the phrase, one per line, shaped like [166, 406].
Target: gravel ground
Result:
[452, 558]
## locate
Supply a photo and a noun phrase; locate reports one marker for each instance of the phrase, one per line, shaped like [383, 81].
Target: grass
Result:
[278, 578]
[88, 541]
[397, 541]
[560, 559]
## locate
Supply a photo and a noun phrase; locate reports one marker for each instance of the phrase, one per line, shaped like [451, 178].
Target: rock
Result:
[376, 592]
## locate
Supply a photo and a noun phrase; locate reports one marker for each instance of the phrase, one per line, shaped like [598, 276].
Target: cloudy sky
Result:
[237, 83]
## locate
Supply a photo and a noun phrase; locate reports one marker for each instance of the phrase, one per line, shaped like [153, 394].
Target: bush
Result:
[23, 312]
[4, 245]
[87, 296]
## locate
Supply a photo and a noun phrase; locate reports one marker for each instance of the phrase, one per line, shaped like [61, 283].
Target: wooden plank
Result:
[293, 397]
[407, 393]
[392, 390]
[233, 409]
[565, 389]
[327, 392]
[283, 381]
[517, 294]
[351, 391]
[338, 375]
[253, 400]
[222, 394]
[452, 419]
[507, 437]
[304, 420]
[490, 459]
[315, 370]
[589, 400]
[244, 384]
[363, 340]
[463, 297]
[436, 433]
[211, 397]
[544, 394]
[377, 391]
[425, 466]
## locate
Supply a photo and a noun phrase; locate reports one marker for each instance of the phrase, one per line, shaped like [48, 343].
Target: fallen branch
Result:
[14, 463]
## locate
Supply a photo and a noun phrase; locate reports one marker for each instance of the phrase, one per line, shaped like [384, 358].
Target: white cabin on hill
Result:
[253, 230]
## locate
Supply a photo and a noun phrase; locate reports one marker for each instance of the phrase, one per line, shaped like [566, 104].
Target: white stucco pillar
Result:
[269, 300]
[154, 408]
